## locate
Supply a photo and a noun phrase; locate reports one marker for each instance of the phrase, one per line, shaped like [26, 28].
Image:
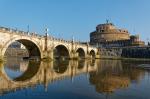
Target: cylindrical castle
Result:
[108, 32]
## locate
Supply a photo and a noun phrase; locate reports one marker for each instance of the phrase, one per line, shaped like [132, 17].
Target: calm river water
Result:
[84, 79]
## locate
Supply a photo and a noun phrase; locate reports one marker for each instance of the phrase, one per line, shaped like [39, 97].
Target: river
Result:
[82, 79]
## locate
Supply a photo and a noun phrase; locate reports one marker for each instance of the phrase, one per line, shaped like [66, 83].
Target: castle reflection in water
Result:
[105, 75]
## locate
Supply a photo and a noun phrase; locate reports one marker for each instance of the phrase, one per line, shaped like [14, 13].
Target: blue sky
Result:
[67, 18]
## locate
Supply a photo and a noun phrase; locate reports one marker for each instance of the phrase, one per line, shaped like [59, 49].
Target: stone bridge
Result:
[44, 73]
[45, 46]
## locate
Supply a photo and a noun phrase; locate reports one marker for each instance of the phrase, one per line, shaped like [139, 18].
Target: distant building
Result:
[107, 35]
[17, 45]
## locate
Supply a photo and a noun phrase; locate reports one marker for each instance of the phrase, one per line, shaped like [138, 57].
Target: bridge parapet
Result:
[19, 32]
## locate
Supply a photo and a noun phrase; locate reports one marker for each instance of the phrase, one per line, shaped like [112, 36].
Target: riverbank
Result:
[124, 58]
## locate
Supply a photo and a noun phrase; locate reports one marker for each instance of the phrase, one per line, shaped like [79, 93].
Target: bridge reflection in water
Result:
[106, 76]
[40, 72]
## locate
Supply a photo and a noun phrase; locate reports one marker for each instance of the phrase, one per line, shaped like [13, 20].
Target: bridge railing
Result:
[15, 31]
[69, 41]
[58, 39]
[34, 34]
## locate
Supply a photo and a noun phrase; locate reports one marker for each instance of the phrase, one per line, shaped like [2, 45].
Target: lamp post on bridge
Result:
[88, 53]
[87, 43]
[46, 37]
[47, 54]
[73, 56]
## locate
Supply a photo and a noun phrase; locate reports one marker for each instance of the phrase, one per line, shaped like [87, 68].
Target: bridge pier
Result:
[48, 55]
[74, 56]
[1, 59]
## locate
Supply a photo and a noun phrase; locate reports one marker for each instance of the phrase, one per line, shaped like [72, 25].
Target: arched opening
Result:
[31, 71]
[23, 48]
[81, 53]
[16, 49]
[21, 70]
[81, 64]
[61, 66]
[92, 54]
[61, 52]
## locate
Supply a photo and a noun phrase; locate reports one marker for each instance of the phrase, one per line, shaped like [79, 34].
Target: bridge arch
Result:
[81, 52]
[81, 64]
[93, 54]
[32, 71]
[60, 67]
[61, 51]
[32, 46]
